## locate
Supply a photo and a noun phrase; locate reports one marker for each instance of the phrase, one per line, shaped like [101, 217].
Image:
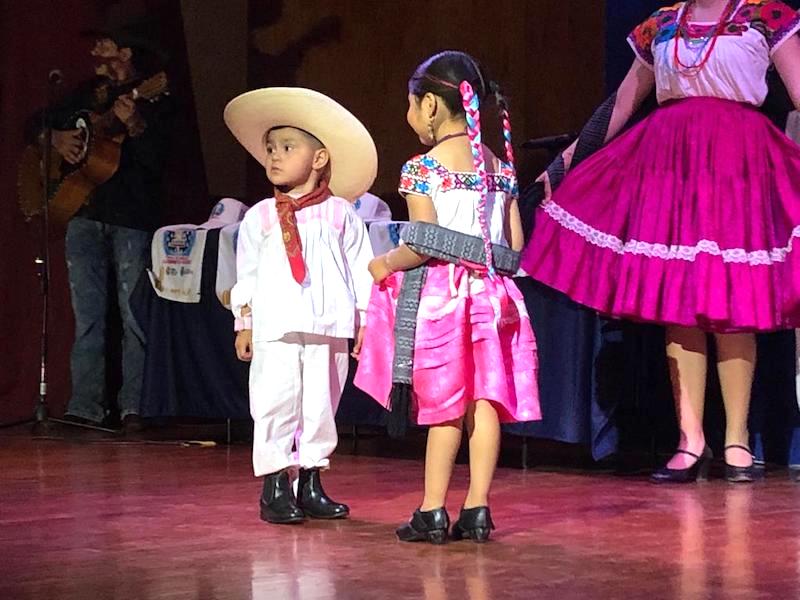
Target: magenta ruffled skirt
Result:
[688, 218]
[473, 341]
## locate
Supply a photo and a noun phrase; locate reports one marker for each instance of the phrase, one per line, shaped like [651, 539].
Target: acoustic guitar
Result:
[70, 185]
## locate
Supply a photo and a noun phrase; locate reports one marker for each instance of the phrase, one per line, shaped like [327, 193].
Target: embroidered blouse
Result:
[455, 195]
[737, 67]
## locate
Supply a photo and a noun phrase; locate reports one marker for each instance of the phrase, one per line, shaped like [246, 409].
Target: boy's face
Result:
[292, 157]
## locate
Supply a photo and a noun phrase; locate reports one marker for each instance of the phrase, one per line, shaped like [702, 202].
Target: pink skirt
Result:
[689, 218]
[473, 341]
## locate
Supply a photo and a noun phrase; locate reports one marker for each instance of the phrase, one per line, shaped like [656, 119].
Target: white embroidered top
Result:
[455, 195]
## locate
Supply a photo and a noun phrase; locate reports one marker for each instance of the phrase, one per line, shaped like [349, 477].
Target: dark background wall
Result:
[548, 55]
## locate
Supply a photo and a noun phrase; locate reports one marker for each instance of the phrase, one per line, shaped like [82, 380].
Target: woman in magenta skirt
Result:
[691, 217]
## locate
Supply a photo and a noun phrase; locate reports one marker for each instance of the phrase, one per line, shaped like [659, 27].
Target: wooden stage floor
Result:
[96, 519]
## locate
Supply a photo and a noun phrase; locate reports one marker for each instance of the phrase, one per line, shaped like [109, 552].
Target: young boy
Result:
[302, 286]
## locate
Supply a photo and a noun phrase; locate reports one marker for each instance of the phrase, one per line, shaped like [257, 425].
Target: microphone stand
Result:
[42, 262]
[41, 419]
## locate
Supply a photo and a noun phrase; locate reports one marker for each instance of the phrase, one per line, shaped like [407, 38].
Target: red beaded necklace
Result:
[683, 26]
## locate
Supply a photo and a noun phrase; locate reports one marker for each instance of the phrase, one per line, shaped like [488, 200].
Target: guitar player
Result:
[108, 239]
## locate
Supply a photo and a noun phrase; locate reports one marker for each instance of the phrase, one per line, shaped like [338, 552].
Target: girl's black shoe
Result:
[426, 526]
[473, 523]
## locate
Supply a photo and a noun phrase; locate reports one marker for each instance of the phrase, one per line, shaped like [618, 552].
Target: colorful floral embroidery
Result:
[659, 27]
[415, 178]
[773, 19]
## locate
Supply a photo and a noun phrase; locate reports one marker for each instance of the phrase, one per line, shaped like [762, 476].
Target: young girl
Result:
[689, 218]
[474, 354]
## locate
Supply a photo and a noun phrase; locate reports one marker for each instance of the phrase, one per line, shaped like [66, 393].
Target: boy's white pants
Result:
[295, 387]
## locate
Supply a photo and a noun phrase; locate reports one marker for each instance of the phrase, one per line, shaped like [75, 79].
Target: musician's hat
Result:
[129, 25]
[354, 158]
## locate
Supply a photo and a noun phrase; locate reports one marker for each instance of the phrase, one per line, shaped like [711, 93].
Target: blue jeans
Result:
[93, 249]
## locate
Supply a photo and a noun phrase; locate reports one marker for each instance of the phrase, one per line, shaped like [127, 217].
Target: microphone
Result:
[55, 77]
[550, 142]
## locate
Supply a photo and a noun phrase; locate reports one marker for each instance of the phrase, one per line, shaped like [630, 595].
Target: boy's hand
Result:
[244, 345]
[359, 341]
[379, 269]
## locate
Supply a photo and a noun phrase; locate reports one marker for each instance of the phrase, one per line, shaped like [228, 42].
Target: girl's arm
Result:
[403, 258]
[513, 226]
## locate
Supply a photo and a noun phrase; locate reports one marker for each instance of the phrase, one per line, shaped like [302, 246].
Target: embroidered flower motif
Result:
[777, 15]
[645, 33]
[428, 161]
[774, 20]
[660, 27]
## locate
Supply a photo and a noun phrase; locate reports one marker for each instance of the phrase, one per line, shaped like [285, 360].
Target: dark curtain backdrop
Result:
[359, 52]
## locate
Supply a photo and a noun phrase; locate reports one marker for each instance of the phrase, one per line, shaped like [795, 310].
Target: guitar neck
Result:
[147, 89]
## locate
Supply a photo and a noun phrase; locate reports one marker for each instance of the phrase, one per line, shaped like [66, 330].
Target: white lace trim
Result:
[662, 251]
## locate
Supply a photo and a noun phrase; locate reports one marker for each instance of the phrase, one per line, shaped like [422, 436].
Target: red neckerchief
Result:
[287, 207]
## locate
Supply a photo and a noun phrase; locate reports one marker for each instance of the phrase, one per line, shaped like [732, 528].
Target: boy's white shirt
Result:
[336, 251]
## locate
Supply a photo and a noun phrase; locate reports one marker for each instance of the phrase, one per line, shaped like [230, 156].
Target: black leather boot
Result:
[428, 526]
[313, 500]
[277, 500]
[473, 523]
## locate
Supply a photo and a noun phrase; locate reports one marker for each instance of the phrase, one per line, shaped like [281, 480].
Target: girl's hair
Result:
[462, 84]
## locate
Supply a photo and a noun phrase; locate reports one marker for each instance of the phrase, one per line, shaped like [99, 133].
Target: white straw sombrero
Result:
[354, 159]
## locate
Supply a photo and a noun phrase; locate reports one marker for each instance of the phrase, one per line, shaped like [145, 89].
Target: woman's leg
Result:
[736, 361]
[687, 356]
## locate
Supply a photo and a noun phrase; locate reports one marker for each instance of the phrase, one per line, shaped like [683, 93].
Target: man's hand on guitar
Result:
[69, 144]
[125, 110]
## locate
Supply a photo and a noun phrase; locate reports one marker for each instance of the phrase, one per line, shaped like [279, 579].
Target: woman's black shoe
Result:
[277, 500]
[697, 472]
[736, 474]
[313, 500]
[428, 526]
[473, 523]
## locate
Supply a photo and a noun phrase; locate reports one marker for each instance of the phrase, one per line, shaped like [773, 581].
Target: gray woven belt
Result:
[443, 244]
